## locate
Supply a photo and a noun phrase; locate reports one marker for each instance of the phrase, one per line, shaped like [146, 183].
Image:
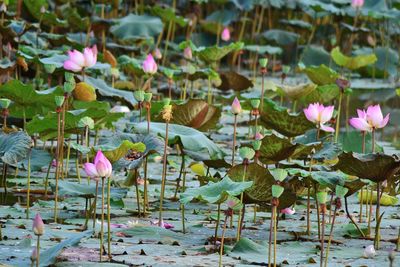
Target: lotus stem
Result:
[369, 202]
[351, 218]
[361, 204]
[167, 42]
[398, 241]
[234, 139]
[241, 213]
[145, 194]
[137, 192]
[217, 224]
[57, 164]
[275, 229]
[68, 156]
[318, 211]
[308, 211]
[102, 218]
[271, 225]
[221, 249]
[338, 116]
[109, 217]
[28, 195]
[209, 93]
[182, 205]
[373, 140]
[38, 251]
[330, 237]
[377, 216]
[46, 180]
[164, 173]
[87, 142]
[322, 208]
[95, 204]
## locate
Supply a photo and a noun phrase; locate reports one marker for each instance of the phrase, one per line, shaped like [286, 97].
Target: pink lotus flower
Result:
[225, 35]
[78, 61]
[288, 211]
[258, 136]
[157, 54]
[231, 203]
[320, 115]
[100, 168]
[357, 3]
[163, 224]
[187, 53]
[369, 252]
[38, 225]
[149, 65]
[236, 108]
[370, 119]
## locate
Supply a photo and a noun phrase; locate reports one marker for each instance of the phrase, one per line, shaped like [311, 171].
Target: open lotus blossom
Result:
[78, 61]
[225, 35]
[149, 66]
[370, 119]
[38, 225]
[357, 3]
[236, 108]
[319, 114]
[369, 252]
[288, 211]
[163, 224]
[361, 122]
[100, 168]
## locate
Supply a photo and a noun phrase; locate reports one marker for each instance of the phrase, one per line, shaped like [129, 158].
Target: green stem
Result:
[377, 216]
[322, 208]
[57, 164]
[137, 192]
[221, 249]
[95, 204]
[262, 91]
[234, 139]
[164, 174]
[209, 93]
[275, 226]
[102, 219]
[330, 238]
[46, 180]
[109, 216]
[217, 224]
[338, 116]
[270, 236]
[241, 215]
[38, 251]
[28, 195]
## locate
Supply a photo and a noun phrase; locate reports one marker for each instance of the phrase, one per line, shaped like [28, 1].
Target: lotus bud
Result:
[167, 113]
[69, 76]
[277, 190]
[322, 197]
[187, 53]
[38, 225]
[59, 100]
[149, 66]
[286, 69]
[288, 211]
[236, 108]
[49, 68]
[86, 122]
[148, 97]
[263, 62]
[139, 95]
[258, 136]
[5, 103]
[342, 83]
[231, 203]
[169, 73]
[3, 8]
[103, 165]
[357, 3]
[257, 145]
[157, 54]
[246, 153]
[69, 87]
[341, 191]
[225, 34]
[279, 174]
[84, 92]
[369, 252]
[166, 101]
[42, 9]
[22, 63]
[115, 73]
[34, 254]
[110, 59]
[255, 103]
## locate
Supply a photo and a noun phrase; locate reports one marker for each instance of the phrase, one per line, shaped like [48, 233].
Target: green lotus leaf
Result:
[215, 53]
[278, 118]
[315, 56]
[235, 81]
[261, 190]
[352, 63]
[27, 102]
[195, 113]
[114, 153]
[137, 27]
[168, 15]
[321, 94]
[14, 147]
[215, 192]
[374, 167]
[264, 49]
[294, 92]
[190, 138]
[321, 75]
[48, 18]
[281, 37]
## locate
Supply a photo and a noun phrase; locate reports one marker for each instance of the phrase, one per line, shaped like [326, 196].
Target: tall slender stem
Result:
[234, 139]
[109, 216]
[221, 249]
[275, 228]
[38, 251]
[270, 236]
[377, 216]
[322, 208]
[330, 238]
[241, 215]
[338, 117]
[57, 164]
[95, 204]
[164, 174]
[217, 223]
[102, 218]
[137, 192]
[28, 195]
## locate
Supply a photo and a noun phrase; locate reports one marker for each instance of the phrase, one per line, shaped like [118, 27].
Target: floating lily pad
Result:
[137, 27]
[14, 147]
[235, 81]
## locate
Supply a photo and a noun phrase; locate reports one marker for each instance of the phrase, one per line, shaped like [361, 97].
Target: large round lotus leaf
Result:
[315, 56]
[215, 192]
[352, 63]
[281, 37]
[385, 66]
[190, 138]
[374, 167]
[195, 113]
[260, 191]
[168, 15]
[321, 75]
[215, 53]
[14, 147]
[264, 49]
[137, 27]
[321, 94]
[235, 81]
[294, 92]
[279, 119]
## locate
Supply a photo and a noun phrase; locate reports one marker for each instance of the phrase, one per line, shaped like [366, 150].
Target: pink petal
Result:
[90, 57]
[360, 124]
[225, 35]
[72, 66]
[236, 108]
[288, 211]
[374, 116]
[312, 113]
[326, 128]
[361, 113]
[90, 170]
[149, 65]
[385, 121]
[326, 114]
[76, 57]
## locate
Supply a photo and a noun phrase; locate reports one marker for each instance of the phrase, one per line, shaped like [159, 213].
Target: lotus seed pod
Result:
[69, 77]
[139, 95]
[148, 97]
[257, 144]
[255, 103]
[69, 87]
[84, 92]
[322, 197]
[115, 73]
[49, 68]
[167, 113]
[166, 101]
[263, 62]
[5, 103]
[341, 191]
[246, 153]
[279, 174]
[59, 100]
[86, 122]
[277, 190]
